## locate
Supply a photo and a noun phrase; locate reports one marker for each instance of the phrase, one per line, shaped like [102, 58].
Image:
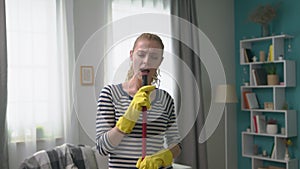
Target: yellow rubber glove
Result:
[163, 158]
[140, 99]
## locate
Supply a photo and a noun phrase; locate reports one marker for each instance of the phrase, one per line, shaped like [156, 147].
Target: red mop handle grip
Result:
[144, 132]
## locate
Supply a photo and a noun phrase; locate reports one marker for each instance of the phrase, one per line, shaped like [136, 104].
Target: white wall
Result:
[89, 16]
[216, 20]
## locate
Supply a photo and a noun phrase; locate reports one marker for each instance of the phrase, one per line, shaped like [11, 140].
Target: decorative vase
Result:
[272, 128]
[287, 155]
[265, 30]
[272, 79]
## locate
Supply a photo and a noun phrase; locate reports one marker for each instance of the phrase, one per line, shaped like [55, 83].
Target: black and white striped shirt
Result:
[161, 126]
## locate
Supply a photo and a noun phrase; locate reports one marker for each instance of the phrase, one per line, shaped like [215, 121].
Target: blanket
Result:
[66, 156]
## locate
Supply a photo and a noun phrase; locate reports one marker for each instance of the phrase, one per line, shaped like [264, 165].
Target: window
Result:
[35, 106]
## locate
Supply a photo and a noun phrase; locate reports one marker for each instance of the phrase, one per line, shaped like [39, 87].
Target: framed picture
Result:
[86, 75]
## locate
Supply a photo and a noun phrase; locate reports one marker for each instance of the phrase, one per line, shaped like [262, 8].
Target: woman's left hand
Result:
[162, 158]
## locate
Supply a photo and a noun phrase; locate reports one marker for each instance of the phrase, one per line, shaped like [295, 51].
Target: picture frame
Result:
[86, 75]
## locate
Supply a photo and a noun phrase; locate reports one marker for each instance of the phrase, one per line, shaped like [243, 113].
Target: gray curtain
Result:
[193, 153]
[3, 89]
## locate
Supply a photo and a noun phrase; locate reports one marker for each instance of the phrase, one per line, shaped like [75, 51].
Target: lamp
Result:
[226, 94]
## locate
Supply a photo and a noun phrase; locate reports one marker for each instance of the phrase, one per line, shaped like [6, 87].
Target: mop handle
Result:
[144, 124]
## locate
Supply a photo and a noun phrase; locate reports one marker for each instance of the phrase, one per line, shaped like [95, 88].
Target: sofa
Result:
[69, 156]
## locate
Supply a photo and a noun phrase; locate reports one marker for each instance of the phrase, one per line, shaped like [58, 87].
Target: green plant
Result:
[272, 121]
[288, 142]
[40, 132]
[271, 68]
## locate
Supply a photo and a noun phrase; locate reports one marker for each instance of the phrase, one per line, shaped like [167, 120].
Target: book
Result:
[253, 71]
[244, 55]
[274, 151]
[248, 55]
[272, 154]
[261, 123]
[246, 102]
[255, 124]
[252, 100]
[246, 59]
[271, 54]
[260, 76]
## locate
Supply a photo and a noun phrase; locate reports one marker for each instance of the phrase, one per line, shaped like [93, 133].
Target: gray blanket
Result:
[66, 156]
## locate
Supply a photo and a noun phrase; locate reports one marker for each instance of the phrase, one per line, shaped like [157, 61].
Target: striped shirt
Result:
[161, 126]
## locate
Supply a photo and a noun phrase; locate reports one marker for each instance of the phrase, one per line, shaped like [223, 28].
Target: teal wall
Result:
[288, 22]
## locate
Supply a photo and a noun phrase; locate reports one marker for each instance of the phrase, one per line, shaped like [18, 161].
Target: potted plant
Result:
[272, 127]
[272, 77]
[40, 132]
[263, 15]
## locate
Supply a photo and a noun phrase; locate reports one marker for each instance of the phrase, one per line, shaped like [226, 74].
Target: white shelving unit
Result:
[288, 67]
[277, 92]
[277, 41]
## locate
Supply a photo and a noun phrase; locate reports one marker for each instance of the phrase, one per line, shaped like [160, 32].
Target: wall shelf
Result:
[273, 95]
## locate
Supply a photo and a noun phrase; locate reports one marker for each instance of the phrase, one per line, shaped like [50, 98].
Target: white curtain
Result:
[38, 76]
[66, 49]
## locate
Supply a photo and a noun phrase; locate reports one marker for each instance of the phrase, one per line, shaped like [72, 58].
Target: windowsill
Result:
[37, 140]
[46, 139]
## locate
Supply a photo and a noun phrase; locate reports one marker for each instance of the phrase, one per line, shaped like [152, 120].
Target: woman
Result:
[119, 120]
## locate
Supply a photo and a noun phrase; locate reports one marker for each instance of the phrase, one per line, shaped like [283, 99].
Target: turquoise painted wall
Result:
[288, 22]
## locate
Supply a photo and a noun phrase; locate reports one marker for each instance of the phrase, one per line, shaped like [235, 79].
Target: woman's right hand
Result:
[141, 99]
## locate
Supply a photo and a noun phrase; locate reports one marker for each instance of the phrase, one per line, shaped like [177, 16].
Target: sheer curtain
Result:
[66, 50]
[38, 76]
